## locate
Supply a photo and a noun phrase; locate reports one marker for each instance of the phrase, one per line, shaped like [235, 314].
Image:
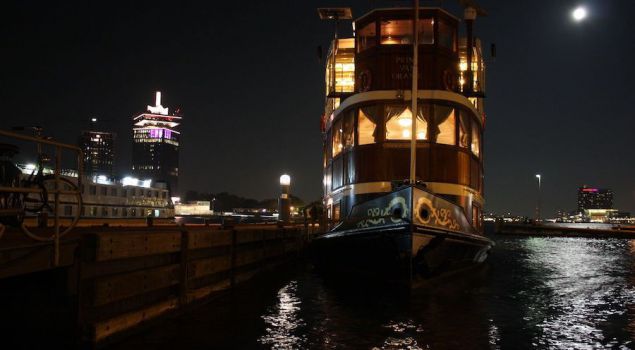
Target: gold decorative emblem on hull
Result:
[377, 215]
[426, 213]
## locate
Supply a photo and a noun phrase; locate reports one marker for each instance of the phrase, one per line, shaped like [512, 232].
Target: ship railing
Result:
[15, 211]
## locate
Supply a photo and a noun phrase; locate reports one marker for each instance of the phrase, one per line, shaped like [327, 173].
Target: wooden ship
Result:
[403, 198]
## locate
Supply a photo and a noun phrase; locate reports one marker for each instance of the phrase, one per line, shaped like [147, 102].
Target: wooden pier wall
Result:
[122, 278]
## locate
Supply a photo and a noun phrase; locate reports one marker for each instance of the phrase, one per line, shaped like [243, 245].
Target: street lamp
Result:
[284, 211]
[539, 177]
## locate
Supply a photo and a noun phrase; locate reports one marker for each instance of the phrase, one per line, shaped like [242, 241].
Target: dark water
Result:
[533, 293]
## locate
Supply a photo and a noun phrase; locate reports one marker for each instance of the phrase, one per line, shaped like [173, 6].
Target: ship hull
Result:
[405, 251]
[399, 254]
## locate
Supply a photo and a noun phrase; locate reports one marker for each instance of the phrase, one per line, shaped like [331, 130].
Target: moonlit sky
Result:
[247, 79]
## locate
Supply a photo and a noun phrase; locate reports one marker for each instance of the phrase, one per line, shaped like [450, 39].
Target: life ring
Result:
[364, 80]
[448, 80]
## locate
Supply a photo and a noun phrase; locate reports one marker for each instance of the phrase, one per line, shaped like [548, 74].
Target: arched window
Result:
[445, 125]
[365, 126]
[476, 139]
[399, 124]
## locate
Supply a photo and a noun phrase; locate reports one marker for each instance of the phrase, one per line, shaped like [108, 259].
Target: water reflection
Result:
[582, 286]
[533, 293]
[282, 320]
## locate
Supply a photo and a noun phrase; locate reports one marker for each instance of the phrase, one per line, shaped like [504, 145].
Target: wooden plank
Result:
[248, 235]
[113, 288]
[272, 234]
[204, 267]
[28, 259]
[246, 257]
[91, 270]
[112, 246]
[199, 293]
[209, 238]
[104, 329]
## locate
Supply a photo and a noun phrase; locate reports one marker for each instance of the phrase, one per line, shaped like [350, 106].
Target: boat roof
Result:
[406, 8]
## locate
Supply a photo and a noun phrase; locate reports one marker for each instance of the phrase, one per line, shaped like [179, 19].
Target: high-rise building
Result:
[155, 150]
[594, 198]
[99, 150]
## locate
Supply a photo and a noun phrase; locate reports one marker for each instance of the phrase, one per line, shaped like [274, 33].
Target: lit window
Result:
[365, 129]
[445, 119]
[476, 139]
[367, 37]
[337, 137]
[399, 124]
[463, 130]
[348, 129]
[394, 32]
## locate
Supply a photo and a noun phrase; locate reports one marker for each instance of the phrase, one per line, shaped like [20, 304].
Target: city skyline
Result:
[541, 119]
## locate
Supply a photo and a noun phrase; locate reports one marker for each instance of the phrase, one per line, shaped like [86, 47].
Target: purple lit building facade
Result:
[155, 149]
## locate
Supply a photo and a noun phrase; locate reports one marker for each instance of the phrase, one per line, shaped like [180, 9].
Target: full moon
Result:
[579, 14]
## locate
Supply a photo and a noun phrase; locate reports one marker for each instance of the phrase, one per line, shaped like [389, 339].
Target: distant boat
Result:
[377, 221]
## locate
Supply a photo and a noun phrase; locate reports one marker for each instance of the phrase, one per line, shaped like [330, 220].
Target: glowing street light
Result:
[285, 180]
[579, 14]
[284, 201]
[539, 177]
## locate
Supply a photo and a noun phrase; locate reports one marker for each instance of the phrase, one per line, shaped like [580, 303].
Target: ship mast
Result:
[414, 94]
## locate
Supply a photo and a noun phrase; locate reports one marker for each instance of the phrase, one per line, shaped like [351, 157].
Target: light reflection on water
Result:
[559, 293]
[586, 281]
[282, 320]
[533, 293]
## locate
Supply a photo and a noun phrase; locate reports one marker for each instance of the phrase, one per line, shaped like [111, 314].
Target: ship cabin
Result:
[367, 119]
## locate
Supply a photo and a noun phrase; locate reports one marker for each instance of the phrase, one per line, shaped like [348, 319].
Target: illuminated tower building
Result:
[155, 149]
[594, 198]
[99, 150]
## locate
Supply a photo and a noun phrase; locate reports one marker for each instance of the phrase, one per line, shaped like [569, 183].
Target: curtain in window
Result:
[440, 115]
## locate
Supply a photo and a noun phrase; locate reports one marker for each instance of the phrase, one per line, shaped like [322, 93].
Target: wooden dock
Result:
[123, 277]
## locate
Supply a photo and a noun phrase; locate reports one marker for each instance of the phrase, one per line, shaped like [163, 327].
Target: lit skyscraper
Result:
[99, 150]
[155, 150]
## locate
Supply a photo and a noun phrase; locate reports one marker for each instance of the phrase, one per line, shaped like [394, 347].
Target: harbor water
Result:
[533, 293]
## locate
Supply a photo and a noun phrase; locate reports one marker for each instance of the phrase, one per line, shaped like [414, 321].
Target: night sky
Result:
[247, 79]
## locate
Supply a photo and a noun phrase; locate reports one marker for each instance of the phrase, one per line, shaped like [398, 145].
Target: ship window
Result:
[104, 211]
[426, 31]
[476, 139]
[365, 128]
[337, 138]
[124, 212]
[395, 32]
[367, 37]
[115, 211]
[399, 124]
[445, 121]
[336, 212]
[328, 178]
[464, 130]
[329, 148]
[348, 129]
[447, 35]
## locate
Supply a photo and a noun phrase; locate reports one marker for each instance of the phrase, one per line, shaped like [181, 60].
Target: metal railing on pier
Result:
[14, 194]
